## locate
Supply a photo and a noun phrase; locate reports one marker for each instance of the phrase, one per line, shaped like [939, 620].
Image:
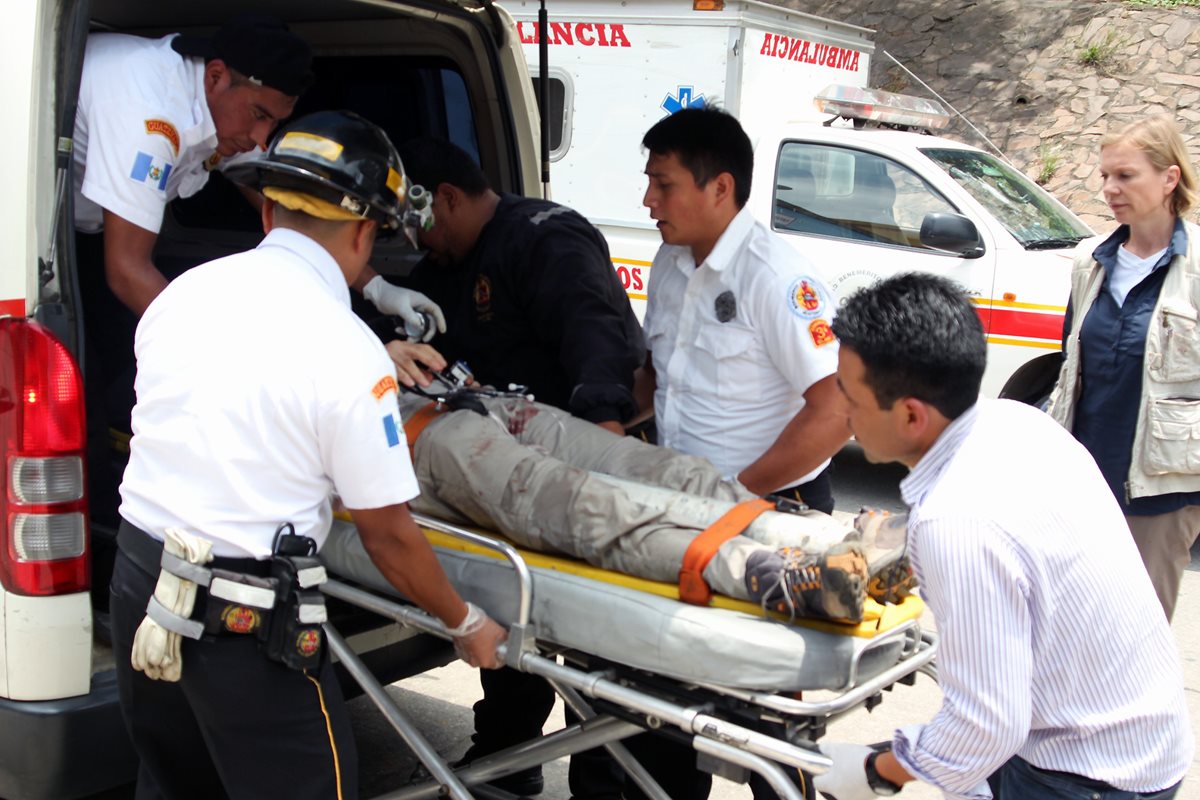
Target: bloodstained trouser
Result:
[525, 470]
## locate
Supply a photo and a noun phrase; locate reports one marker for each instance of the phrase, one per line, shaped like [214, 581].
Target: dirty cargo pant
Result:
[525, 470]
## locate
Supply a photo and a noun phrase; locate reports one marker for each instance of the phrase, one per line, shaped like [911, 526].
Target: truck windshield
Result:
[1034, 218]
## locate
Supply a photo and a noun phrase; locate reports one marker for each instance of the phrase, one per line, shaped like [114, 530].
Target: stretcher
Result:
[725, 678]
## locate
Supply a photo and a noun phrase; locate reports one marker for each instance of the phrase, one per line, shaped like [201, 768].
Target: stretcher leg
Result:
[771, 772]
[632, 767]
[416, 742]
[596, 732]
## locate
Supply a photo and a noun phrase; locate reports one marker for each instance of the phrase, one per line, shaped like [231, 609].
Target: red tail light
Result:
[44, 536]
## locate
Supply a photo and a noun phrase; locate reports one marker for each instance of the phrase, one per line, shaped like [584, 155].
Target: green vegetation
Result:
[1050, 162]
[1099, 54]
[1163, 3]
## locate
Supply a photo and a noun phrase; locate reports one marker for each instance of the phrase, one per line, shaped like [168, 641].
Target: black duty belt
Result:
[287, 624]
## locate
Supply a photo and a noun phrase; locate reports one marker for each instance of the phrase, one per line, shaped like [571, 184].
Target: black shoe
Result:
[526, 783]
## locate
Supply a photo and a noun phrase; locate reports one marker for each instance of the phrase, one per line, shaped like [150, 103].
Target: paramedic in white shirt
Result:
[244, 426]
[1059, 674]
[741, 356]
[155, 117]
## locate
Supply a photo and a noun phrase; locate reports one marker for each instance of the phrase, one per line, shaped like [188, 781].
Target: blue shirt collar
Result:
[1106, 252]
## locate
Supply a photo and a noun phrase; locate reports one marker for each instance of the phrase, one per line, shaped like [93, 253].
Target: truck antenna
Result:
[946, 102]
[544, 94]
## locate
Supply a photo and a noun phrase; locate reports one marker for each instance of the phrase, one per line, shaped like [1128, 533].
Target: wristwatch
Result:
[879, 784]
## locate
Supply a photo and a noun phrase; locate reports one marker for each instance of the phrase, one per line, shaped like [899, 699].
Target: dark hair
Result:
[918, 336]
[431, 162]
[707, 141]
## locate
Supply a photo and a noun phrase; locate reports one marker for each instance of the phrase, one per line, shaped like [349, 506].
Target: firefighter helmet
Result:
[333, 165]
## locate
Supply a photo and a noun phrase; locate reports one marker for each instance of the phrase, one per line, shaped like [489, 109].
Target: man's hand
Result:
[476, 639]
[406, 304]
[847, 779]
[413, 362]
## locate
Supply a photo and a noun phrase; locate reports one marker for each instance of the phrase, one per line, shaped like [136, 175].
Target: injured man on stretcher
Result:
[557, 484]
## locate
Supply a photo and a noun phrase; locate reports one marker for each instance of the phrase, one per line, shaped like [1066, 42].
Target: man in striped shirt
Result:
[1059, 673]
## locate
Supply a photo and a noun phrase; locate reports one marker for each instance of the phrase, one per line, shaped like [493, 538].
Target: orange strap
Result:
[692, 588]
[417, 422]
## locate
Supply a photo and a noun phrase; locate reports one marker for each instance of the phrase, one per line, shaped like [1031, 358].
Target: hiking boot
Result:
[832, 585]
[884, 539]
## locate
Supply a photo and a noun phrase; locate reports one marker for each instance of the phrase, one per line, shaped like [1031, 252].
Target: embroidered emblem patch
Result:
[820, 332]
[165, 129]
[386, 384]
[804, 298]
[726, 306]
[391, 430]
[240, 619]
[308, 642]
[148, 169]
[483, 294]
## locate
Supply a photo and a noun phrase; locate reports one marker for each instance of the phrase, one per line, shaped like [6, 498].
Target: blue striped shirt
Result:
[1054, 646]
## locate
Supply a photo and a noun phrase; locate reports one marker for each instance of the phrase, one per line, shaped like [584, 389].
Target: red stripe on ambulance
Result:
[12, 308]
[1027, 324]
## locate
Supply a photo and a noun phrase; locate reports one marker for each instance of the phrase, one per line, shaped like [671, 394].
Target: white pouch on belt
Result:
[156, 645]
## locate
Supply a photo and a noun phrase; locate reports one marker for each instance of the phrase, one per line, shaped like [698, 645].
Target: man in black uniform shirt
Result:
[531, 298]
[528, 290]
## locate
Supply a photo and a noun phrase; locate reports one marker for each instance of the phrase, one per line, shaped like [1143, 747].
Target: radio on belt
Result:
[293, 635]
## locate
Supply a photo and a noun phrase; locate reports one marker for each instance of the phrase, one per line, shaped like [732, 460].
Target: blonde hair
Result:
[1159, 139]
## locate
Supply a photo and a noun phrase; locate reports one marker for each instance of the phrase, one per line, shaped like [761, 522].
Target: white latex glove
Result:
[476, 639]
[404, 303]
[156, 650]
[847, 779]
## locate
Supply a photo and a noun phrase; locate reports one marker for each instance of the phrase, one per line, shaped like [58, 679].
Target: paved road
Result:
[440, 701]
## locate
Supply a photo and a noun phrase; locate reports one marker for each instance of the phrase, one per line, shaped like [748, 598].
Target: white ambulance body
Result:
[851, 198]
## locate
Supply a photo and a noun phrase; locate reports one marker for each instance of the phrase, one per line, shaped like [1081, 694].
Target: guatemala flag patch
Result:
[147, 169]
[391, 430]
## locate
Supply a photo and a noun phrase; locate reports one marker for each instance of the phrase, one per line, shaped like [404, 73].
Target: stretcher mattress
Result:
[642, 624]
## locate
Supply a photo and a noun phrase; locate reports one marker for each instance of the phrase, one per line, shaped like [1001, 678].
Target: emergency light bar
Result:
[876, 105]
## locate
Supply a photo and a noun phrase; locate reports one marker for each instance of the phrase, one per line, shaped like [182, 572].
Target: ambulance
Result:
[449, 68]
[852, 177]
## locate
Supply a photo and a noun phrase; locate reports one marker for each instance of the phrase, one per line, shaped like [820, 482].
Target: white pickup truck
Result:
[451, 68]
[853, 198]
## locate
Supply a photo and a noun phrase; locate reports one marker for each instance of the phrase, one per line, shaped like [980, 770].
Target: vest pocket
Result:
[1174, 440]
[1179, 359]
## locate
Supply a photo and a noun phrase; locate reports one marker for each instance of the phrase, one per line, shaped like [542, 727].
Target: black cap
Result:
[260, 47]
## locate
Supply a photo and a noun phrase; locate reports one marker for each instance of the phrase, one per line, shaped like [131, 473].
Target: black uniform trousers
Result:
[237, 725]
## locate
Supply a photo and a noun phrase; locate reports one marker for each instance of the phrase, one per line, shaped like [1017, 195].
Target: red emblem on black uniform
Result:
[483, 294]
[240, 619]
[308, 643]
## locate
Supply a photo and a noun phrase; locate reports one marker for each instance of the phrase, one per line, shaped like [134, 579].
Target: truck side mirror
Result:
[952, 233]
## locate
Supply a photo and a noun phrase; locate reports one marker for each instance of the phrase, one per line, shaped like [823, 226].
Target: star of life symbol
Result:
[685, 99]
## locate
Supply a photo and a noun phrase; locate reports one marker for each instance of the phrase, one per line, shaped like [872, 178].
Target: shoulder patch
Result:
[148, 169]
[384, 385]
[820, 332]
[805, 298]
[166, 130]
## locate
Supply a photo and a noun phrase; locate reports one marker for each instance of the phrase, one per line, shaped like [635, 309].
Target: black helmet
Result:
[338, 157]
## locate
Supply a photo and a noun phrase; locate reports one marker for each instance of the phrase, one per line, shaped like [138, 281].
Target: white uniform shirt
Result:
[726, 389]
[259, 393]
[1054, 646]
[143, 131]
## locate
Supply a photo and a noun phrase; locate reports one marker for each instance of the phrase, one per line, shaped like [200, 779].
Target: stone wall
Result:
[1043, 80]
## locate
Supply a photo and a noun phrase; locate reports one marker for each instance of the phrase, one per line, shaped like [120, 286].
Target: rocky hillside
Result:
[1043, 80]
